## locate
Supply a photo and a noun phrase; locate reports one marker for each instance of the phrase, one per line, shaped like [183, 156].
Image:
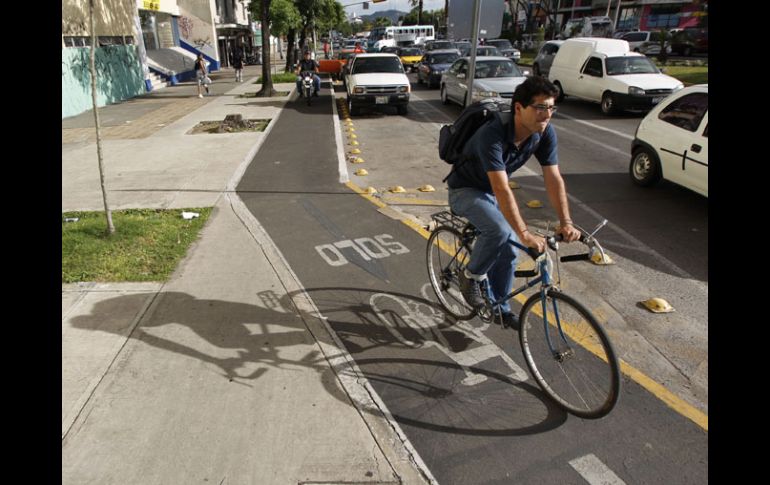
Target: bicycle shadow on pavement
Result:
[241, 341]
[432, 372]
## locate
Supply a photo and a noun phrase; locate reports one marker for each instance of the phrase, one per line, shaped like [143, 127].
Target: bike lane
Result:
[459, 390]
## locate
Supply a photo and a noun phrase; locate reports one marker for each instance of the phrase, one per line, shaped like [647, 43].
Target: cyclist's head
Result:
[534, 86]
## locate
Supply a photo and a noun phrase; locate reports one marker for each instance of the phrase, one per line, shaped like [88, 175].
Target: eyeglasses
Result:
[542, 108]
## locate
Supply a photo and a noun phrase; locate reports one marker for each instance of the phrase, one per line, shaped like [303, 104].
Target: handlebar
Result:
[585, 238]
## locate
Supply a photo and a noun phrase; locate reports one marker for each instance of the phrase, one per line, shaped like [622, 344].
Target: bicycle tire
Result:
[585, 378]
[446, 256]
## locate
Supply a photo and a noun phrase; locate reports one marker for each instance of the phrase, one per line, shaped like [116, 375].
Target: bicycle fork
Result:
[559, 355]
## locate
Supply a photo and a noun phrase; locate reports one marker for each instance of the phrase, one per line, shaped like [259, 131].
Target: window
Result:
[686, 112]
[77, 41]
[593, 67]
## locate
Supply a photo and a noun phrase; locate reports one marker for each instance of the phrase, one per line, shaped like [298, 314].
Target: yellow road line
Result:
[658, 390]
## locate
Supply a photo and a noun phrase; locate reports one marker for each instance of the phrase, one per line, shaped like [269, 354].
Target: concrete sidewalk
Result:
[225, 373]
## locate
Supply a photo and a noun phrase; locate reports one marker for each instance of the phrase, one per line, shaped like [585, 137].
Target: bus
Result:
[397, 35]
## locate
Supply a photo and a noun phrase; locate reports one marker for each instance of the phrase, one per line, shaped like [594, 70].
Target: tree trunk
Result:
[291, 38]
[267, 90]
[92, 68]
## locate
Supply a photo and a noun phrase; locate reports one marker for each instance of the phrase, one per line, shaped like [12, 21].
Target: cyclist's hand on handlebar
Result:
[533, 241]
[569, 232]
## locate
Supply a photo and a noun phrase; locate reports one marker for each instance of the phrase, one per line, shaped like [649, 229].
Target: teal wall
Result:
[118, 77]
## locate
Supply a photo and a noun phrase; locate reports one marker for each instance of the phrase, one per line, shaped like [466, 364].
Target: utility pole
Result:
[474, 41]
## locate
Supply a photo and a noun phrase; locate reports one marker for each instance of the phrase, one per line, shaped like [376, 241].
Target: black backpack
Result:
[452, 138]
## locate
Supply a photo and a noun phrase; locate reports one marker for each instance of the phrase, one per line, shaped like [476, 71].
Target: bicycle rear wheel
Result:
[447, 255]
[576, 367]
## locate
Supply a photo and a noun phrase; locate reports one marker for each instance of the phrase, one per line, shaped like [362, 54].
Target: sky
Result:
[402, 5]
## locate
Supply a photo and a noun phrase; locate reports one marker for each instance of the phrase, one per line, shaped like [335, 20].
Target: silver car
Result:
[496, 76]
[542, 63]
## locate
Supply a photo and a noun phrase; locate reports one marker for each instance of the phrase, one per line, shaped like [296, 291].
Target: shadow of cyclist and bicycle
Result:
[424, 366]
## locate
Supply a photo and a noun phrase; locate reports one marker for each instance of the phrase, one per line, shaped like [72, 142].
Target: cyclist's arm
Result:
[557, 194]
[507, 202]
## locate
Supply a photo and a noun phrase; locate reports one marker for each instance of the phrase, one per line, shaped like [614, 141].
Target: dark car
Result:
[690, 41]
[433, 45]
[505, 48]
[433, 65]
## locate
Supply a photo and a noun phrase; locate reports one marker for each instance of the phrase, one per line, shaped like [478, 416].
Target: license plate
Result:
[656, 100]
[381, 100]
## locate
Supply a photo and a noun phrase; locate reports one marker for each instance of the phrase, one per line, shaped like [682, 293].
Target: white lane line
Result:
[342, 166]
[597, 127]
[626, 154]
[594, 471]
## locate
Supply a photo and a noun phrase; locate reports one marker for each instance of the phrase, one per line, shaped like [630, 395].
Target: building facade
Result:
[145, 45]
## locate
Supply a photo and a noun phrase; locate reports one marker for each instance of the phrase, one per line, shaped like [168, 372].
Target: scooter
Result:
[307, 85]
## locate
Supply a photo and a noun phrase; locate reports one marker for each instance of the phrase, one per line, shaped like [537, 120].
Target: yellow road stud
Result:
[426, 188]
[534, 204]
[596, 258]
[658, 305]
[352, 135]
[397, 189]
[361, 172]
[356, 160]
[371, 190]
[353, 143]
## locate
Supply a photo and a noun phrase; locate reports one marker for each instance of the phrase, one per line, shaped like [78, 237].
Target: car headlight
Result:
[403, 89]
[634, 91]
[358, 90]
[678, 87]
[486, 94]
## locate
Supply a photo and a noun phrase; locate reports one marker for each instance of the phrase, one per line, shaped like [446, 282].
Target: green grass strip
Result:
[147, 244]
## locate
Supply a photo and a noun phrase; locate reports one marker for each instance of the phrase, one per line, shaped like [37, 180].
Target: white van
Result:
[605, 71]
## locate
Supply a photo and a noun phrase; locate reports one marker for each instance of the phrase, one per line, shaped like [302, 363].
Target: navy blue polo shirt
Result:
[490, 153]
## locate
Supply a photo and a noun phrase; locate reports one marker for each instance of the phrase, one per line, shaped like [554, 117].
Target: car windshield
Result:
[443, 58]
[441, 45]
[630, 65]
[365, 65]
[487, 69]
[410, 52]
[501, 44]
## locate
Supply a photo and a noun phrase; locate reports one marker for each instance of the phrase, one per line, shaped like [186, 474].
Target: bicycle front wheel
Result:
[569, 354]
[447, 255]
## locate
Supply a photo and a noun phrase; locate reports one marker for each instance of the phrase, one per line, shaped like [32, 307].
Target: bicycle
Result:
[566, 350]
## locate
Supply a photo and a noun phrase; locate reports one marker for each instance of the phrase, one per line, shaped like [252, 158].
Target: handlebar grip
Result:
[527, 273]
[575, 257]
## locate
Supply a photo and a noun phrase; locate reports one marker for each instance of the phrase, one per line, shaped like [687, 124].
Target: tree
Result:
[92, 68]
[285, 21]
[261, 9]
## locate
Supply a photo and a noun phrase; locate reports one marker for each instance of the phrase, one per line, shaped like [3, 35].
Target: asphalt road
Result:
[459, 390]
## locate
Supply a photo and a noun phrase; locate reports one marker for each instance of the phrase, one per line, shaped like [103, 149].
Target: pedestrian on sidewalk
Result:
[201, 74]
[238, 63]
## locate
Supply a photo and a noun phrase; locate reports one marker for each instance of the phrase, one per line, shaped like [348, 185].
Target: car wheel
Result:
[444, 98]
[608, 104]
[644, 168]
[351, 109]
[687, 51]
[561, 95]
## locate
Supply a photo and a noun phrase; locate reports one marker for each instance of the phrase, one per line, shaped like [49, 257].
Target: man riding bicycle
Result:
[479, 191]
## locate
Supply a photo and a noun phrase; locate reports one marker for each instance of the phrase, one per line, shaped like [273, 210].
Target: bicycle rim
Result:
[578, 369]
[446, 257]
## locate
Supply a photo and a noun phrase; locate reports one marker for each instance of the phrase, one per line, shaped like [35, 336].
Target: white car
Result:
[377, 81]
[496, 77]
[672, 142]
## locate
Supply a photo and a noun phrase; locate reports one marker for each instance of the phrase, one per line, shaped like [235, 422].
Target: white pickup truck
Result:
[376, 81]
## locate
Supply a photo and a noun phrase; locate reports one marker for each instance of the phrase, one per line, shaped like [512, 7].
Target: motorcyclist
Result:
[308, 64]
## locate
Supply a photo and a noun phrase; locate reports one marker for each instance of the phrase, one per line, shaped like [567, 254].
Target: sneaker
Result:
[509, 320]
[315, 93]
[200, 95]
[471, 291]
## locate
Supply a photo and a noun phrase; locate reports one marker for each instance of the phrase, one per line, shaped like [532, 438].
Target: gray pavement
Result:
[217, 375]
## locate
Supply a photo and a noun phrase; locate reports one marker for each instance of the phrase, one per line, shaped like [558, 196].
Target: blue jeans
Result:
[316, 83]
[493, 253]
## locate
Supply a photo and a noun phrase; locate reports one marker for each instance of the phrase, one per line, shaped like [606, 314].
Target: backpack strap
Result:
[506, 118]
